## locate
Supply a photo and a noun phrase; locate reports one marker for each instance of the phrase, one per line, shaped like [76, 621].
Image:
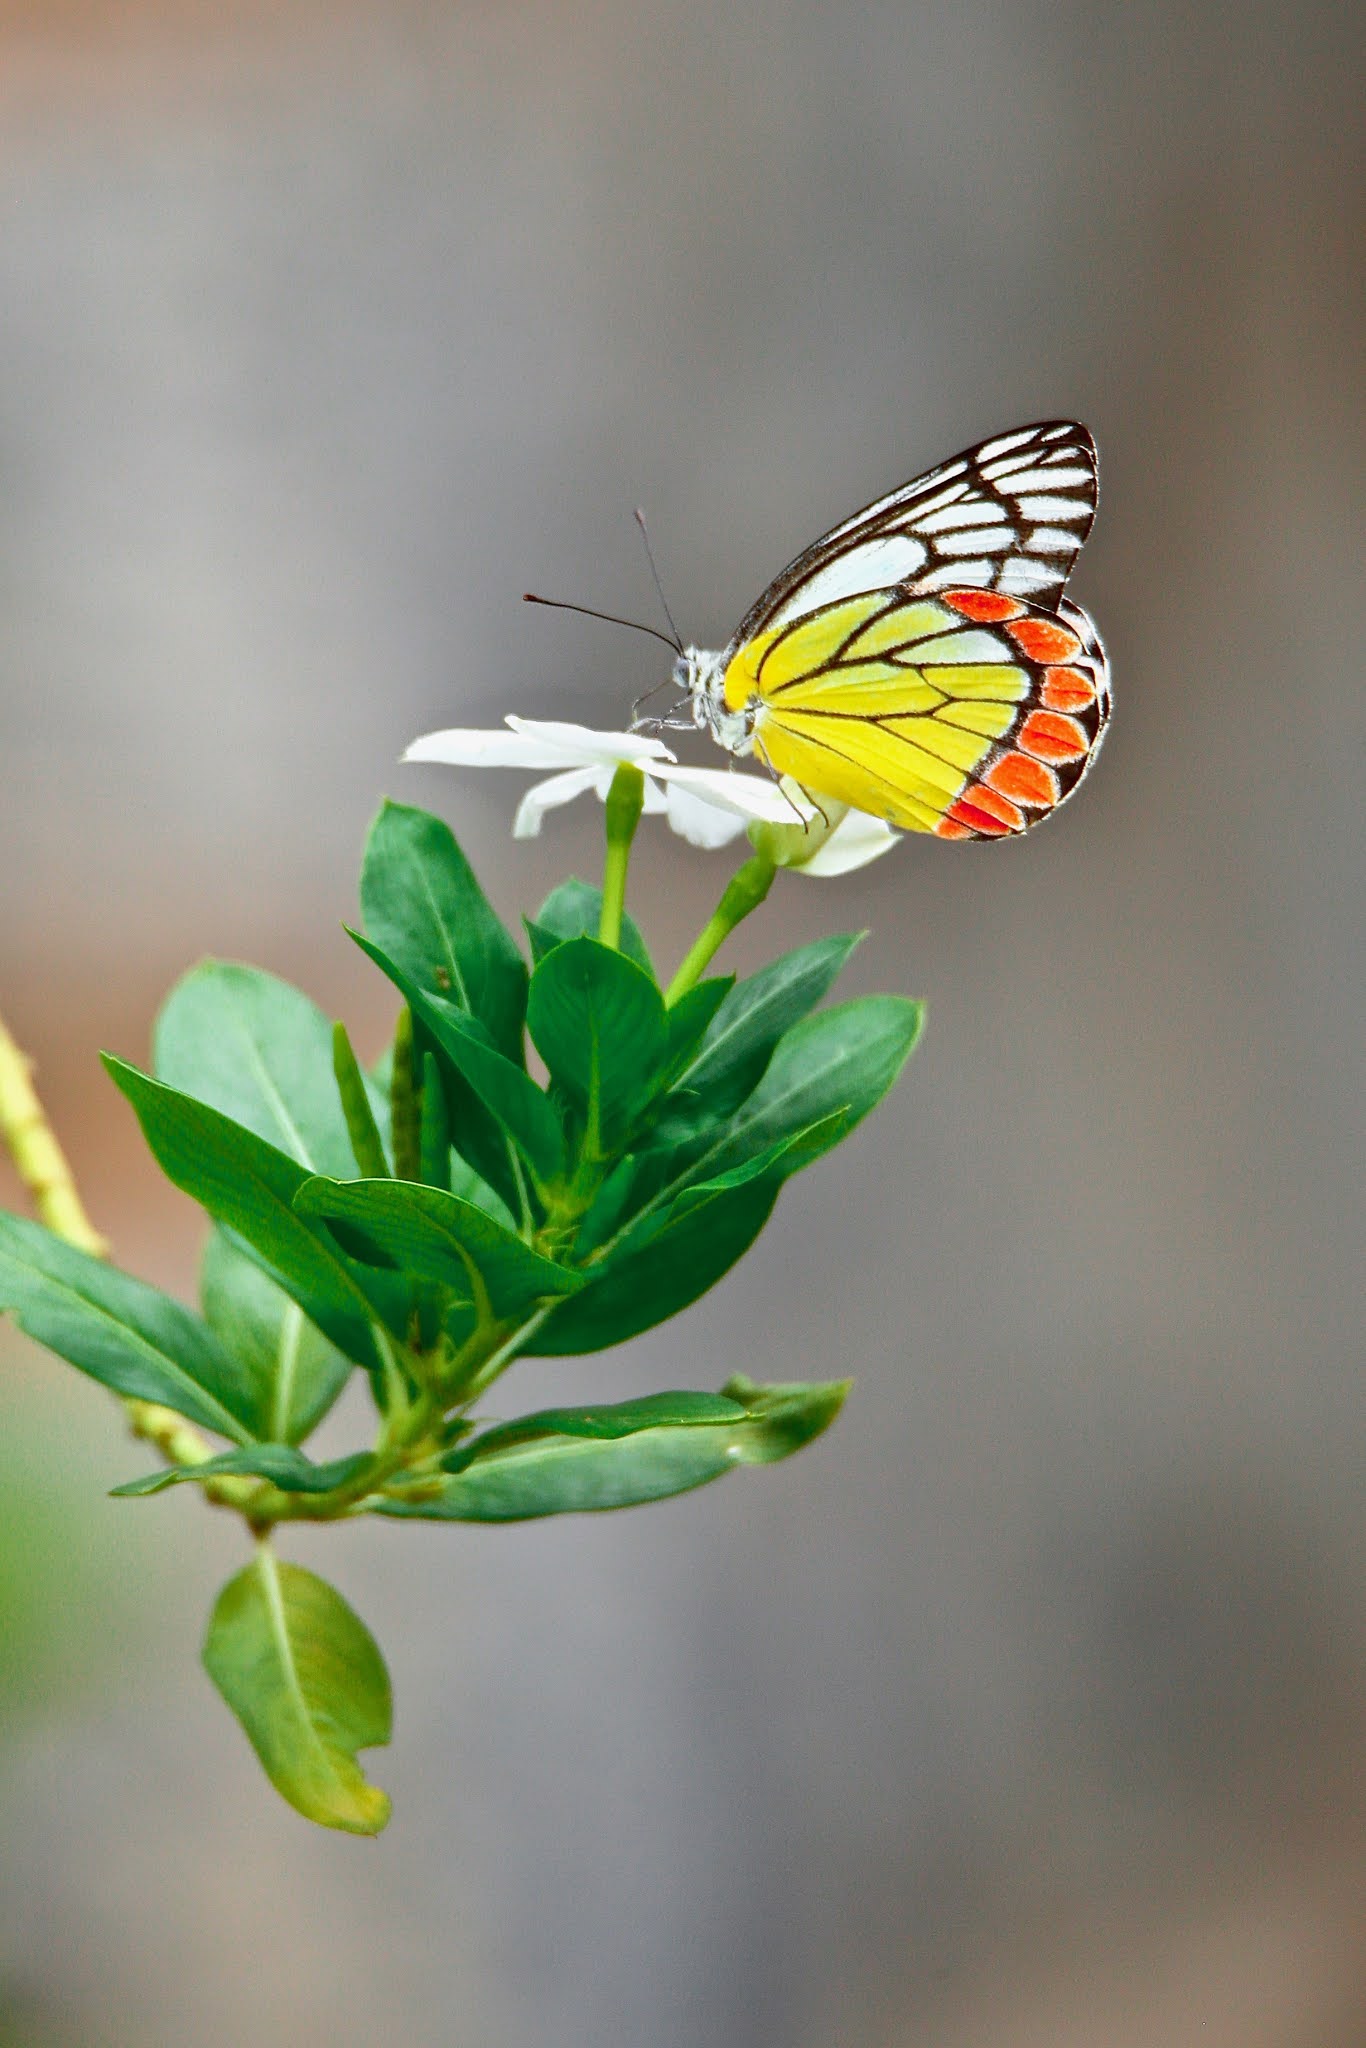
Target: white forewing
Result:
[1009, 515]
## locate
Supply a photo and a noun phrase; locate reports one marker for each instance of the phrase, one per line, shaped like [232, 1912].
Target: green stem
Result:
[625, 801]
[745, 891]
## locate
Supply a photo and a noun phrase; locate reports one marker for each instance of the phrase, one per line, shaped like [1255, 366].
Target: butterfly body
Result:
[920, 661]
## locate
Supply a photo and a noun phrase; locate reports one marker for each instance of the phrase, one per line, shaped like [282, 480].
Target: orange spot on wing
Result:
[1066, 689]
[997, 806]
[977, 820]
[987, 607]
[1024, 781]
[947, 829]
[1051, 737]
[1044, 639]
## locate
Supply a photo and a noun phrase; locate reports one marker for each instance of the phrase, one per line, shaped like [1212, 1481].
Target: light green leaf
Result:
[295, 1372]
[123, 1333]
[574, 1461]
[305, 1678]
[425, 910]
[259, 1051]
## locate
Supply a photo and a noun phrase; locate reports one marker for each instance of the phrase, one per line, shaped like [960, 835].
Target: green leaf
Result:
[829, 1071]
[282, 1465]
[250, 1186]
[574, 911]
[295, 1372]
[123, 1333]
[470, 1187]
[569, 1461]
[434, 1129]
[660, 1267]
[260, 1052]
[755, 1015]
[353, 1092]
[494, 1086]
[790, 1153]
[426, 1231]
[424, 908]
[305, 1678]
[598, 1022]
[690, 1018]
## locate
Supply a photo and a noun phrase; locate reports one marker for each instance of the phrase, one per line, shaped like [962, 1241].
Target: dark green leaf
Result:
[755, 1015]
[689, 1020]
[497, 1087]
[606, 1212]
[306, 1680]
[260, 1052]
[123, 1333]
[405, 1100]
[250, 1186]
[567, 1461]
[424, 908]
[659, 1268]
[285, 1467]
[597, 1021]
[429, 1232]
[786, 1154]
[434, 1129]
[295, 1372]
[574, 911]
[604, 1423]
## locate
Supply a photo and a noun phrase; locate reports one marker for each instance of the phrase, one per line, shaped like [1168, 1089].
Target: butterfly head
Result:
[700, 677]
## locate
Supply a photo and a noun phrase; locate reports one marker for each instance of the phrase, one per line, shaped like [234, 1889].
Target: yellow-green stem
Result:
[625, 801]
[40, 1160]
[745, 891]
[43, 1168]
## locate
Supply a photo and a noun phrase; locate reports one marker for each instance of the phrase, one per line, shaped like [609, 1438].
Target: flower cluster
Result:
[708, 807]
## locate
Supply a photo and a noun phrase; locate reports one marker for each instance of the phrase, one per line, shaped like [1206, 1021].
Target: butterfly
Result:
[920, 662]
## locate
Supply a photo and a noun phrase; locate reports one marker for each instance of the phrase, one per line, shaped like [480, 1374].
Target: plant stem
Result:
[40, 1160]
[625, 801]
[745, 891]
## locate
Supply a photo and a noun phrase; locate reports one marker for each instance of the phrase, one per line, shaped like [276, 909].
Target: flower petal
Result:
[582, 743]
[699, 821]
[747, 796]
[855, 841]
[534, 743]
[548, 796]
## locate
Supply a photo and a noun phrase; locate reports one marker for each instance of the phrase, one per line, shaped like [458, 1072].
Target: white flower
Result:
[706, 806]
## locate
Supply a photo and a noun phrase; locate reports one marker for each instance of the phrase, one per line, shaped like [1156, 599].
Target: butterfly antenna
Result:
[613, 618]
[650, 558]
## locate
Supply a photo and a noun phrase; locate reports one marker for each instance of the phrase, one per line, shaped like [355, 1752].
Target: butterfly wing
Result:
[965, 712]
[1008, 515]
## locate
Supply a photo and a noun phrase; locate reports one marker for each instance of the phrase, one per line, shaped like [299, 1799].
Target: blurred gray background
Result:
[1027, 1709]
